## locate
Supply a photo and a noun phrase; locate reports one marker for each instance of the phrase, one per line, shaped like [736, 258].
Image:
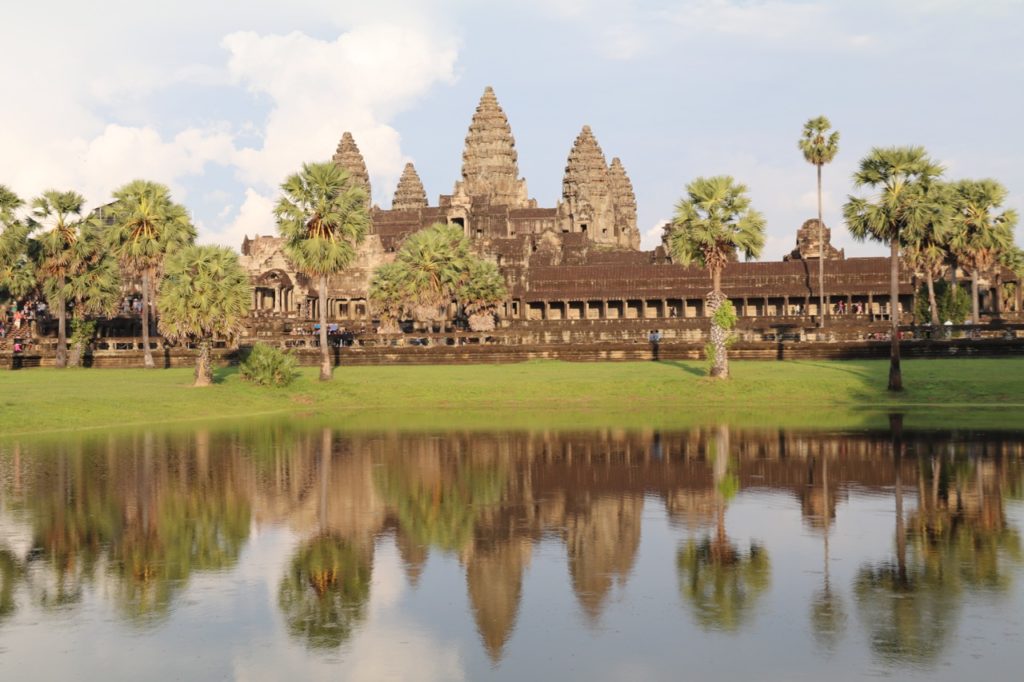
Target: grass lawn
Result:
[969, 393]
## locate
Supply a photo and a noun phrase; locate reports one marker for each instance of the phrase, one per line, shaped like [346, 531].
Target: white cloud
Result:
[254, 217]
[321, 88]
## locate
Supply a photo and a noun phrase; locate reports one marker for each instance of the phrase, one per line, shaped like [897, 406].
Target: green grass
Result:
[976, 393]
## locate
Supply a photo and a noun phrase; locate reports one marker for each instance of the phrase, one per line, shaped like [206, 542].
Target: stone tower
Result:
[625, 205]
[587, 202]
[410, 194]
[807, 244]
[348, 157]
[489, 162]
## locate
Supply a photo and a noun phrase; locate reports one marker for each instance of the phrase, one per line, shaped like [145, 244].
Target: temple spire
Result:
[586, 191]
[349, 157]
[489, 161]
[625, 205]
[410, 194]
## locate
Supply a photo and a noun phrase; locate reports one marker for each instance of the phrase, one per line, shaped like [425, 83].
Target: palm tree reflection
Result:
[720, 582]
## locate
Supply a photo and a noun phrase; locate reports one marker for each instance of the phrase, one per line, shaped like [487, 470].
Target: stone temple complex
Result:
[578, 260]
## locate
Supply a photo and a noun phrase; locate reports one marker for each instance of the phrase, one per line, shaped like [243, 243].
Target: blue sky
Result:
[222, 100]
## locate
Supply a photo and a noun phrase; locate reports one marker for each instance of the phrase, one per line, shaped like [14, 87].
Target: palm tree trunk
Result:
[931, 298]
[147, 353]
[895, 374]
[975, 315]
[719, 336]
[204, 370]
[62, 331]
[823, 309]
[78, 346]
[325, 355]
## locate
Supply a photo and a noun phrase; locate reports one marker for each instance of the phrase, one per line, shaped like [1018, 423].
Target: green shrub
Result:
[268, 366]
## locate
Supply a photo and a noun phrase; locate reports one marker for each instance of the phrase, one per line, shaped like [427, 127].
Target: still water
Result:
[275, 552]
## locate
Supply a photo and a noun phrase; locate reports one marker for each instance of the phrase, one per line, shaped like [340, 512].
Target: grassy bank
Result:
[540, 395]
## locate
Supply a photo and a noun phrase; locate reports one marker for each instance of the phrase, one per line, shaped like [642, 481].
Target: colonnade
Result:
[662, 308]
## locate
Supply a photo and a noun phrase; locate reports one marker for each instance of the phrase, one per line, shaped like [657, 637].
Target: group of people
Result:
[843, 308]
[17, 320]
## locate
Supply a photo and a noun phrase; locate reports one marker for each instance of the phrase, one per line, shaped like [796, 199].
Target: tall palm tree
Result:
[926, 247]
[980, 235]
[205, 293]
[146, 226]
[711, 224]
[820, 147]
[58, 217]
[323, 219]
[898, 174]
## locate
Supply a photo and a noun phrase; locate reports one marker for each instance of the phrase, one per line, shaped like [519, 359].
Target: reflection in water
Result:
[324, 592]
[721, 582]
[130, 520]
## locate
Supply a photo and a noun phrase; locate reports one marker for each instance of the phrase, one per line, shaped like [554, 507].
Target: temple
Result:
[579, 260]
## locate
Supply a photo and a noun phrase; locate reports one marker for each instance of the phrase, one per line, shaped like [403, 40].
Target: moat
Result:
[280, 550]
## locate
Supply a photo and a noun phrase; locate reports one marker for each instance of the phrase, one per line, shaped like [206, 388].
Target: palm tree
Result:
[711, 224]
[387, 295]
[980, 235]
[819, 148]
[323, 219]
[146, 227]
[94, 285]
[481, 293]
[59, 217]
[205, 293]
[436, 262]
[899, 174]
[926, 248]
[17, 272]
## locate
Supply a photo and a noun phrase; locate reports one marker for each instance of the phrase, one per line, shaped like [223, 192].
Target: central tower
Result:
[490, 165]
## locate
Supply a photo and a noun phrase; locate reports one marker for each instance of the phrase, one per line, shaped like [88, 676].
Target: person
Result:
[17, 346]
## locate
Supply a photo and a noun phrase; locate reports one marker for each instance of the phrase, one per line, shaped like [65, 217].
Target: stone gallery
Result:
[578, 260]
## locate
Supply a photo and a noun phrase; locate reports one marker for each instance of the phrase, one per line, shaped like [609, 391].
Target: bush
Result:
[268, 366]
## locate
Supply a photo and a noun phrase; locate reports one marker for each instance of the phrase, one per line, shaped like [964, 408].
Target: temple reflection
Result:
[135, 517]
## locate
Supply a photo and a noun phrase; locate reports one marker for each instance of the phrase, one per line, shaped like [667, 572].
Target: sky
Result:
[222, 100]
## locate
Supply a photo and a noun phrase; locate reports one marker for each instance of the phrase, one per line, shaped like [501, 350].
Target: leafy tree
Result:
[323, 219]
[980, 235]
[57, 216]
[951, 303]
[480, 294]
[145, 226]
[711, 224]
[205, 293]
[820, 147]
[900, 176]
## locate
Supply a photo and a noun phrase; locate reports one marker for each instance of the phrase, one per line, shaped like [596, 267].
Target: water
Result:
[277, 551]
